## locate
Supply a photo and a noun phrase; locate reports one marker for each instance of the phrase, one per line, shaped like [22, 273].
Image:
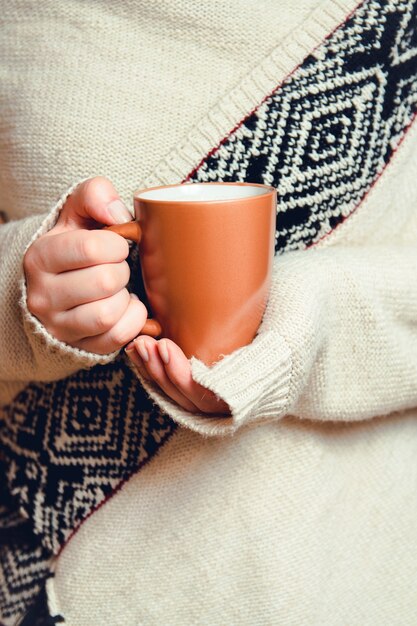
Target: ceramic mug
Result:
[206, 253]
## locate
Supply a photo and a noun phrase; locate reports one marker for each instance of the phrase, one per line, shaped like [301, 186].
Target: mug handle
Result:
[133, 231]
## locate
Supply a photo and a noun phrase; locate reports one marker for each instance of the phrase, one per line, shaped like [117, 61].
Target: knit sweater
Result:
[305, 515]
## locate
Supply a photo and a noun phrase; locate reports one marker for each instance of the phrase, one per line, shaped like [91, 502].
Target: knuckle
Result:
[143, 310]
[94, 187]
[121, 334]
[89, 249]
[130, 324]
[97, 182]
[45, 254]
[105, 317]
[123, 248]
[141, 315]
[37, 303]
[108, 282]
[30, 260]
[125, 273]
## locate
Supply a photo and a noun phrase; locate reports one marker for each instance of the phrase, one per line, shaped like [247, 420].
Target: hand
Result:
[76, 275]
[166, 365]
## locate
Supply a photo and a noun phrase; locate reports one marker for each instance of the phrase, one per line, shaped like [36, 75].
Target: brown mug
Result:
[206, 253]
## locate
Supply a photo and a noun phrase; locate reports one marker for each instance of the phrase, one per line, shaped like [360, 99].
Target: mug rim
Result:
[269, 190]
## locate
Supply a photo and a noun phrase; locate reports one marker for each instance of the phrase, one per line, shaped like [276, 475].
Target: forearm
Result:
[337, 342]
[366, 365]
[28, 351]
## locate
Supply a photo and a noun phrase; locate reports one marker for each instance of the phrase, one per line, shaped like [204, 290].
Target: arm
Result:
[44, 335]
[338, 342]
[28, 350]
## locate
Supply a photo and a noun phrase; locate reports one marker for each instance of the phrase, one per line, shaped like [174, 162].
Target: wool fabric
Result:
[299, 507]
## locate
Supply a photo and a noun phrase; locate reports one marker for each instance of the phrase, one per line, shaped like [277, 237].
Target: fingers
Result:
[95, 200]
[119, 333]
[164, 363]
[133, 355]
[76, 249]
[71, 289]
[76, 276]
[174, 361]
[145, 354]
[89, 320]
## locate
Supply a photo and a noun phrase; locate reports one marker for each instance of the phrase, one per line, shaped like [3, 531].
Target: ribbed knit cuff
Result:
[45, 345]
[254, 381]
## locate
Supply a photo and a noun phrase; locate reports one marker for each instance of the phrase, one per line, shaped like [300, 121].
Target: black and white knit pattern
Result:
[66, 446]
[81, 437]
[24, 562]
[322, 138]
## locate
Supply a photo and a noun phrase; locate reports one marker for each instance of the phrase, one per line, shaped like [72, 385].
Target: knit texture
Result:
[324, 137]
[102, 121]
[338, 338]
[293, 523]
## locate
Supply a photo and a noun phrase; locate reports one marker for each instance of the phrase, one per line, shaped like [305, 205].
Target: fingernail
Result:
[134, 296]
[134, 357]
[140, 344]
[163, 350]
[119, 212]
[130, 346]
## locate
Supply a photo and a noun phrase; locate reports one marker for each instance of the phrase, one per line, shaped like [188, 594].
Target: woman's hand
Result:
[165, 364]
[76, 275]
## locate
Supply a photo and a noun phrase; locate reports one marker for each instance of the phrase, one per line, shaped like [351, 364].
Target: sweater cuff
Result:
[254, 381]
[44, 345]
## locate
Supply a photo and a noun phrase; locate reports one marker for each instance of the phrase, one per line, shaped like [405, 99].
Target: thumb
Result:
[94, 201]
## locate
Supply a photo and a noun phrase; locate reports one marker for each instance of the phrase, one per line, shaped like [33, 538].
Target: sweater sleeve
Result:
[338, 342]
[28, 351]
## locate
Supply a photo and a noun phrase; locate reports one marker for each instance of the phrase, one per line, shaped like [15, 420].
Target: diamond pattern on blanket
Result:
[324, 136]
[24, 562]
[82, 437]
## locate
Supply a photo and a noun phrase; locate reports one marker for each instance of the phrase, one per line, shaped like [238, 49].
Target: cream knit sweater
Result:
[302, 517]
